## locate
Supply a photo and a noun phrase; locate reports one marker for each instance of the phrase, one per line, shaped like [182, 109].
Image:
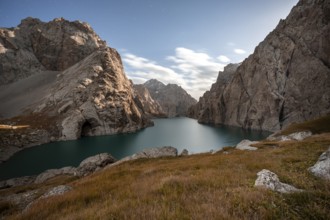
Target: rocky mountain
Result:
[285, 80]
[150, 107]
[173, 99]
[62, 74]
[208, 110]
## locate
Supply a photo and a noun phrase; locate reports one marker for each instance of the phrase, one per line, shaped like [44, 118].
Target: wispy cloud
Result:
[194, 71]
[239, 51]
[223, 59]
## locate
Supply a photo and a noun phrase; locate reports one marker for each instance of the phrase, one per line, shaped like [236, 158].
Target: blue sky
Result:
[176, 41]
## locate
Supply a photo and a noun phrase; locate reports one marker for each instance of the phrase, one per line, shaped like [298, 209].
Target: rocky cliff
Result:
[69, 80]
[285, 80]
[173, 99]
[150, 107]
[208, 109]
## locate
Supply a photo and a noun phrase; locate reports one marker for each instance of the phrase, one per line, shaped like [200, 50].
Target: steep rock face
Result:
[35, 46]
[88, 92]
[150, 107]
[174, 100]
[287, 78]
[94, 97]
[208, 109]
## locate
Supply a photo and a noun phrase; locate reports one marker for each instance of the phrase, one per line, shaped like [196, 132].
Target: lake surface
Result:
[177, 132]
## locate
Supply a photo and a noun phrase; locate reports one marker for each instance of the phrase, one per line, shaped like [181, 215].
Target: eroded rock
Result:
[269, 180]
[246, 145]
[48, 174]
[322, 166]
[94, 163]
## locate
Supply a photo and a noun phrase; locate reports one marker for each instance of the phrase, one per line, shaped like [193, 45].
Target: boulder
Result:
[269, 180]
[322, 166]
[48, 174]
[94, 163]
[246, 145]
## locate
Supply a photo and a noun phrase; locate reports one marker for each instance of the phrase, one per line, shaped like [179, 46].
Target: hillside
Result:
[203, 186]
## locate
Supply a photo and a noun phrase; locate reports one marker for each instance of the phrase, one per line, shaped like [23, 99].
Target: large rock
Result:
[269, 180]
[322, 166]
[285, 80]
[173, 99]
[48, 174]
[246, 145]
[94, 163]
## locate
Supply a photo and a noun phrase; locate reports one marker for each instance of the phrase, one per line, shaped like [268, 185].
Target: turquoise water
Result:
[177, 132]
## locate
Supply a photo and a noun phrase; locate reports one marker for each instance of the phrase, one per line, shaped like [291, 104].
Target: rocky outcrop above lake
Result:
[150, 107]
[173, 99]
[285, 80]
[64, 81]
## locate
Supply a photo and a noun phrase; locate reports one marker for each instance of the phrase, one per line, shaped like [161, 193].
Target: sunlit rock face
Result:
[285, 80]
[70, 76]
[173, 99]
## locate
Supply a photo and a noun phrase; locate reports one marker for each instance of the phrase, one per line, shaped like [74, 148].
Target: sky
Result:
[186, 42]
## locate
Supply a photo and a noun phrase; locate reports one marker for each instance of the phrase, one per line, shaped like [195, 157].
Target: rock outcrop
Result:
[285, 80]
[322, 166]
[51, 173]
[173, 99]
[61, 74]
[150, 107]
[94, 163]
[269, 180]
[246, 145]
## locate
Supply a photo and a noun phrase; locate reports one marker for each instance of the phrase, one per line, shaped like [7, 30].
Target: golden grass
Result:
[317, 126]
[205, 186]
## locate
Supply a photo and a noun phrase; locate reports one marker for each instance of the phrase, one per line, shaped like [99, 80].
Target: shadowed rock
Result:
[322, 166]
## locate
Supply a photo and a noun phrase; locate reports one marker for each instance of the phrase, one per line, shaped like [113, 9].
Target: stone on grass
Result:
[246, 145]
[269, 180]
[322, 166]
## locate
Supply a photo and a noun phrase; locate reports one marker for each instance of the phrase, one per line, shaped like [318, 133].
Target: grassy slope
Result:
[205, 186]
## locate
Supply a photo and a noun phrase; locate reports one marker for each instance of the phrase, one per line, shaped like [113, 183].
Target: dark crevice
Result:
[86, 129]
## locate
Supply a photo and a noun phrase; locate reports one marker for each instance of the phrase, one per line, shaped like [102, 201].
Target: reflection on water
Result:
[177, 132]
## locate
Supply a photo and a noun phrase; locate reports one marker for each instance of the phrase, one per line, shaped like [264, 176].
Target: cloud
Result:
[223, 59]
[193, 71]
[239, 51]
